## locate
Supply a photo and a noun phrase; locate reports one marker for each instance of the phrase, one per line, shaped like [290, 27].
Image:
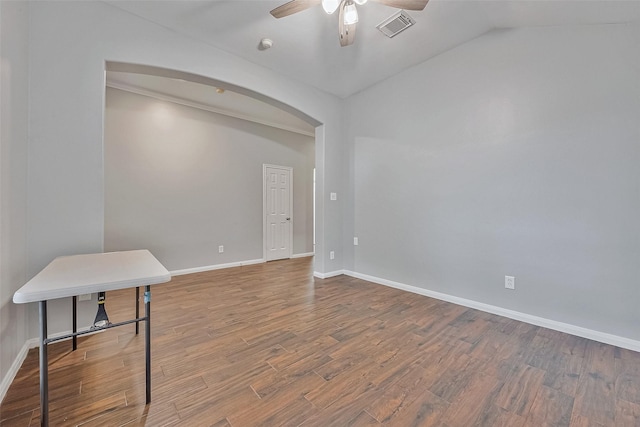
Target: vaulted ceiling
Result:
[306, 46]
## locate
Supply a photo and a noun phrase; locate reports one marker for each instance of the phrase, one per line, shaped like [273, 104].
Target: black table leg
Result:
[137, 308]
[44, 368]
[75, 322]
[147, 338]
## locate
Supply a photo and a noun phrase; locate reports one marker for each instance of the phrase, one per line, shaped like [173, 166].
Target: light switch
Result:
[334, 196]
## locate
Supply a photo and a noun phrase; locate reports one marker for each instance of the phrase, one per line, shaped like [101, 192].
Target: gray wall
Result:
[516, 154]
[13, 179]
[181, 181]
[66, 108]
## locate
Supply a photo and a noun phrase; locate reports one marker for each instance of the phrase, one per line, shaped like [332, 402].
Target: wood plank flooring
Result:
[270, 345]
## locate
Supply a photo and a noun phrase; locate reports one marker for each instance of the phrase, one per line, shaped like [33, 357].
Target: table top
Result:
[85, 274]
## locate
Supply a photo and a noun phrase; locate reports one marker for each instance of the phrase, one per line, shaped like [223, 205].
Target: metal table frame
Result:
[69, 276]
[45, 341]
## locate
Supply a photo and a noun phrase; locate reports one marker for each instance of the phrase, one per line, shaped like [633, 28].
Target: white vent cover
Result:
[396, 23]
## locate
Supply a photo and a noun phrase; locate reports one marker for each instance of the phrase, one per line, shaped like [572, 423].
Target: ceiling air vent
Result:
[396, 23]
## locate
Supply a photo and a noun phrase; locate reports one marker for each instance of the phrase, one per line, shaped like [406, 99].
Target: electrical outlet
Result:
[220, 249]
[84, 297]
[355, 241]
[509, 282]
[332, 255]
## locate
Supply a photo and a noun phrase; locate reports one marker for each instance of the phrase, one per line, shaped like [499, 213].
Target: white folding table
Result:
[69, 276]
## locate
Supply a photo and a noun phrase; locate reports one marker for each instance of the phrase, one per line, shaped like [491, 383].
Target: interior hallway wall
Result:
[180, 182]
[13, 180]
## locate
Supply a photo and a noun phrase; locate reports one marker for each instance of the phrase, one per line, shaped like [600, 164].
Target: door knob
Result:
[288, 219]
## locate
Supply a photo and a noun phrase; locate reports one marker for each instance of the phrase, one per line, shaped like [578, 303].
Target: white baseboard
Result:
[329, 274]
[523, 317]
[22, 355]
[216, 267]
[602, 337]
[303, 255]
[230, 265]
[14, 368]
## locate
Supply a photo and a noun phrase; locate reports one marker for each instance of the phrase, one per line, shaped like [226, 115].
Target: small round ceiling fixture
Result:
[265, 44]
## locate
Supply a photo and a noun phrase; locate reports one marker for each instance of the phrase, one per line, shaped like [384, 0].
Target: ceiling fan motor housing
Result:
[349, 15]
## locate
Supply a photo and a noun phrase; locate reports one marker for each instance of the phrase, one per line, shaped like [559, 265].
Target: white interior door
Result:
[277, 207]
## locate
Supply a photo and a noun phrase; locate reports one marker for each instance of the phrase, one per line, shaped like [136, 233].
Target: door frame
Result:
[264, 208]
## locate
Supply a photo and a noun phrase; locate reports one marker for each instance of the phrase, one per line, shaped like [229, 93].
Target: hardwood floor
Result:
[269, 345]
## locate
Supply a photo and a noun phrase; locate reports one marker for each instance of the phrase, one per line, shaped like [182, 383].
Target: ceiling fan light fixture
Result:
[360, 2]
[350, 13]
[330, 6]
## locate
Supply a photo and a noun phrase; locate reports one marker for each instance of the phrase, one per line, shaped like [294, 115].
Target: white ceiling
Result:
[306, 44]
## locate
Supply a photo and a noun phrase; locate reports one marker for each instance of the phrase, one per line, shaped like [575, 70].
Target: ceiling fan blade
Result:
[294, 6]
[347, 32]
[405, 4]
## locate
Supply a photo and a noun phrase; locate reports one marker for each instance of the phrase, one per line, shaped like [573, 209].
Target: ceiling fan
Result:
[348, 14]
